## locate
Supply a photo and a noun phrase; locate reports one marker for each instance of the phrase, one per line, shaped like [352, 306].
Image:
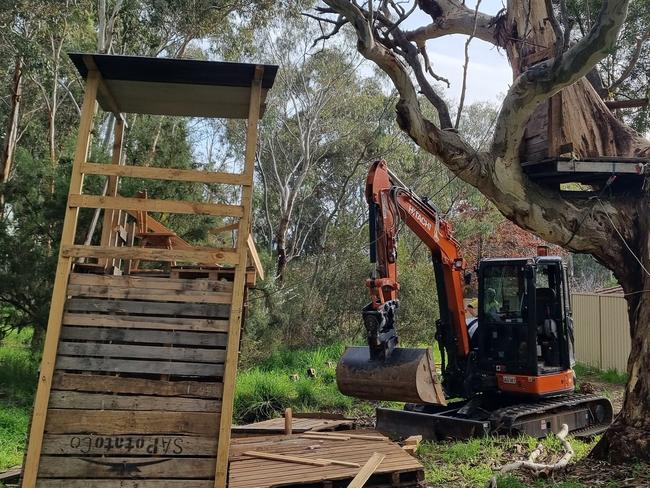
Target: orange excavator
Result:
[509, 370]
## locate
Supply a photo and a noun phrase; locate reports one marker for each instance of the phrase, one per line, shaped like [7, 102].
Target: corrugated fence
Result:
[602, 330]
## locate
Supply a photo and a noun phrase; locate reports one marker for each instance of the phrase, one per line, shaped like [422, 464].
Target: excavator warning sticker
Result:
[510, 380]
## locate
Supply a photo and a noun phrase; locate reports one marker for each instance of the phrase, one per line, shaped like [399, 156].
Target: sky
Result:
[489, 74]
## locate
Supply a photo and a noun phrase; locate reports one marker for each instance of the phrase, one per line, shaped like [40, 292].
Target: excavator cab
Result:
[525, 333]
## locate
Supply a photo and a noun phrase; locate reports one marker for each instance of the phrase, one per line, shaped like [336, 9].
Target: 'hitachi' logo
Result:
[419, 217]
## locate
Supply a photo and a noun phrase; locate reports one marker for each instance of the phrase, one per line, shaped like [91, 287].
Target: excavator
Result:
[508, 371]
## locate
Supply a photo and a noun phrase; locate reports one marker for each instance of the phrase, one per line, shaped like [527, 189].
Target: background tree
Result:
[615, 230]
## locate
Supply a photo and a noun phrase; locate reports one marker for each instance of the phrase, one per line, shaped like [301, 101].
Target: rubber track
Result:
[506, 417]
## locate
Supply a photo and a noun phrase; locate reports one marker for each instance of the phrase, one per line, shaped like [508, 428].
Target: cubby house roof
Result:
[182, 87]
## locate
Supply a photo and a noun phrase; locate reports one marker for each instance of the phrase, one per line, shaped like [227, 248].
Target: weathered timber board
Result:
[206, 310]
[95, 483]
[98, 401]
[126, 467]
[246, 472]
[143, 336]
[78, 363]
[122, 422]
[144, 322]
[132, 282]
[187, 354]
[129, 445]
[299, 424]
[116, 384]
[104, 291]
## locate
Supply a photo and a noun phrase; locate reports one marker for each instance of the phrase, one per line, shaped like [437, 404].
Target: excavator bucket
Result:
[407, 376]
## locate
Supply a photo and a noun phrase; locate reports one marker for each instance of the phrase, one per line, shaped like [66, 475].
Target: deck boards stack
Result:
[137, 384]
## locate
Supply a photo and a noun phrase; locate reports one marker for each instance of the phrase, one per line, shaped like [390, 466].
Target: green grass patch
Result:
[18, 375]
[585, 372]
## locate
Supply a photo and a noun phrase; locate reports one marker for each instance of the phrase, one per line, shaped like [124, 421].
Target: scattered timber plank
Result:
[129, 445]
[143, 336]
[11, 475]
[95, 483]
[354, 436]
[186, 354]
[121, 422]
[148, 307]
[98, 401]
[79, 363]
[126, 467]
[301, 423]
[322, 437]
[287, 459]
[145, 322]
[367, 470]
[116, 384]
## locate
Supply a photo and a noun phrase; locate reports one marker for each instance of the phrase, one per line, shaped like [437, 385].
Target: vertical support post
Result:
[554, 125]
[237, 305]
[112, 216]
[288, 421]
[30, 470]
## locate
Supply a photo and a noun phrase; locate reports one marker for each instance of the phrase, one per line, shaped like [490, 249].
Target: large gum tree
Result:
[614, 229]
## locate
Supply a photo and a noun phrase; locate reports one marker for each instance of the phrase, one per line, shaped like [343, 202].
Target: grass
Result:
[471, 463]
[585, 372]
[18, 374]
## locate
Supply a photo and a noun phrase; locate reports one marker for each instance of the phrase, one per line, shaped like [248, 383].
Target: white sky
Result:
[489, 74]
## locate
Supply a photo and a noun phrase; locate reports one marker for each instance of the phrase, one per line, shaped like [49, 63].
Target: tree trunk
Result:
[629, 436]
[281, 245]
[11, 134]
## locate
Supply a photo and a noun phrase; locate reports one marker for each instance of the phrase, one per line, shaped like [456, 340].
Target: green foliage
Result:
[585, 373]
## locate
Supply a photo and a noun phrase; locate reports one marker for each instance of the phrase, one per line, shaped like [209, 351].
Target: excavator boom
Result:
[382, 371]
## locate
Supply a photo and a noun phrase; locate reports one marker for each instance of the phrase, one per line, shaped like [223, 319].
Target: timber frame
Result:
[124, 84]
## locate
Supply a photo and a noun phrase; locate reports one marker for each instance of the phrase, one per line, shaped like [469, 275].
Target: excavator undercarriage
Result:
[512, 363]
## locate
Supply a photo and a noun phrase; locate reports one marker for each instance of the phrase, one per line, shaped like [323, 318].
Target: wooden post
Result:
[554, 126]
[112, 217]
[237, 306]
[288, 421]
[41, 401]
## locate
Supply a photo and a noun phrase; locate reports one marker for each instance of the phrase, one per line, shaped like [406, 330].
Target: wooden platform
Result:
[137, 383]
[398, 469]
[301, 422]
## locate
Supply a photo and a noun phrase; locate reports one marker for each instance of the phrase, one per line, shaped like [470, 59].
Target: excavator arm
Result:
[391, 202]
[384, 371]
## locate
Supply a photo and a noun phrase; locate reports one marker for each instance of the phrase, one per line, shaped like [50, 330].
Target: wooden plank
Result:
[153, 205]
[148, 307]
[367, 470]
[187, 354]
[116, 385]
[148, 294]
[150, 282]
[170, 174]
[78, 363]
[252, 252]
[123, 422]
[98, 401]
[239, 284]
[287, 459]
[39, 414]
[126, 467]
[129, 445]
[144, 322]
[609, 167]
[112, 217]
[95, 483]
[201, 256]
[145, 336]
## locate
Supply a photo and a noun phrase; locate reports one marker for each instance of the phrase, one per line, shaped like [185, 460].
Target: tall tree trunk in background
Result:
[11, 132]
[281, 246]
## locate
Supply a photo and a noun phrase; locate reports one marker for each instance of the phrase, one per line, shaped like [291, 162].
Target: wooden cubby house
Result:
[138, 372]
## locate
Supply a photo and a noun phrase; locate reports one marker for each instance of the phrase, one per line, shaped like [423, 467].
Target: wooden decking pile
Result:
[343, 456]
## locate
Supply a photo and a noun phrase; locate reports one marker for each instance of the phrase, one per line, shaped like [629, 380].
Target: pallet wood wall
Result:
[138, 383]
